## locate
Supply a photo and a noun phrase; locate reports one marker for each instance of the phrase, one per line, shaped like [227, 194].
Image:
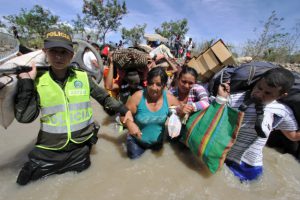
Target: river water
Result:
[170, 174]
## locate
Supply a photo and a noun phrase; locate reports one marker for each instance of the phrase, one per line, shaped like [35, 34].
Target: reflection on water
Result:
[172, 173]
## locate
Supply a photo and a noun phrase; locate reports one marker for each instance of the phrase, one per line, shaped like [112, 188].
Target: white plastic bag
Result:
[174, 124]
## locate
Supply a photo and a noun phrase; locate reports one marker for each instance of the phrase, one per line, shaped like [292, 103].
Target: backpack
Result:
[244, 77]
[241, 78]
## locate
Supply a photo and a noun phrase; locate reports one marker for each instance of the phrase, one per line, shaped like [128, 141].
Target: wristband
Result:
[221, 100]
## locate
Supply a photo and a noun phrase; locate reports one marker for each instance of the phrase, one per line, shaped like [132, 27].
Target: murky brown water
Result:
[171, 173]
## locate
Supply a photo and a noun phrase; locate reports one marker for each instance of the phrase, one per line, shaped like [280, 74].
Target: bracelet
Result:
[221, 100]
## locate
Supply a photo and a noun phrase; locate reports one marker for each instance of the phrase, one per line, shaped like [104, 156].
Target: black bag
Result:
[245, 76]
[241, 78]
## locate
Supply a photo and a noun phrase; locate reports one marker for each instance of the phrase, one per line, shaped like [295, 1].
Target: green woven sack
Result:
[211, 133]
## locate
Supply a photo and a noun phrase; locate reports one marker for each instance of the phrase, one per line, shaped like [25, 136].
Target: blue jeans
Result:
[135, 148]
[244, 171]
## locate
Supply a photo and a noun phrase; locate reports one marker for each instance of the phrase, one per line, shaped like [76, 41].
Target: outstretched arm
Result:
[131, 104]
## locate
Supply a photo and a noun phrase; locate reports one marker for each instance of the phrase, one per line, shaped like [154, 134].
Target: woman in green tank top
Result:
[150, 110]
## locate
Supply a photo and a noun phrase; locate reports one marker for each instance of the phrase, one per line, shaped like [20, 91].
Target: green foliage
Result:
[295, 58]
[270, 42]
[103, 18]
[134, 35]
[33, 23]
[2, 25]
[65, 27]
[78, 24]
[173, 28]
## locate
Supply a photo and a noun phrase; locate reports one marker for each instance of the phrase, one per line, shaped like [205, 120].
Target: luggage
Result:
[243, 78]
[8, 90]
[211, 133]
[130, 58]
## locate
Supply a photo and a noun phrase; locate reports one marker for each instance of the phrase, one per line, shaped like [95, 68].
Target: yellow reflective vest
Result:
[66, 113]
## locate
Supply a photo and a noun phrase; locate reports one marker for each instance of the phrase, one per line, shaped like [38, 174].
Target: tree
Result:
[65, 27]
[33, 23]
[78, 25]
[293, 38]
[134, 36]
[173, 28]
[103, 18]
[2, 25]
[270, 42]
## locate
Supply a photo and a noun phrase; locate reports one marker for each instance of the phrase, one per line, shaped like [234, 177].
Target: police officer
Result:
[62, 97]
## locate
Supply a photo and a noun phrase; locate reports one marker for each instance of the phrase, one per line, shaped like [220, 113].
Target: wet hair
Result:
[188, 70]
[279, 77]
[158, 71]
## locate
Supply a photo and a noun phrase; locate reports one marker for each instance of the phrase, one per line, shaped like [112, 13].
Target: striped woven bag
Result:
[211, 133]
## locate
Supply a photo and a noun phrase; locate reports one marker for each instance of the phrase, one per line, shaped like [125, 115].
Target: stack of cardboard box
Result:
[212, 60]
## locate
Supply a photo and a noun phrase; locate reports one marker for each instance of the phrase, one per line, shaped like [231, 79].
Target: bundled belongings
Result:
[212, 60]
[8, 89]
[211, 133]
[130, 58]
[244, 77]
[8, 82]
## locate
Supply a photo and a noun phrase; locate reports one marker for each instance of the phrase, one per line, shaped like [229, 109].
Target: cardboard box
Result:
[221, 51]
[193, 64]
[212, 60]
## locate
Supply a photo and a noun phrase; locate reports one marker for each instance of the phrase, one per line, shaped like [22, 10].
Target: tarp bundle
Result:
[8, 83]
[8, 89]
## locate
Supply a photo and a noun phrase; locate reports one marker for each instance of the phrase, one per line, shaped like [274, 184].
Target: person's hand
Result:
[128, 116]
[31, 74]
[134, 130]
[224, 90]
[187, 108]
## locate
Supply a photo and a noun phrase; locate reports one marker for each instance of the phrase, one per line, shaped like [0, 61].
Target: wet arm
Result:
[131, 104]
[103, 98]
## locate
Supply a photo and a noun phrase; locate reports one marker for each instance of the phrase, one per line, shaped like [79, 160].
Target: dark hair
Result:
[279, 77]
[158, 71]
[188, 70]
[95, 45]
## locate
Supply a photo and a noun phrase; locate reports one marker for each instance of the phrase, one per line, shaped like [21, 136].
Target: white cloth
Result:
[190, 46]
[161, 49]
[88, 57]
[248, 146]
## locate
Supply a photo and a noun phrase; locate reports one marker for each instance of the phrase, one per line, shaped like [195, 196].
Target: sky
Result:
[233, 21]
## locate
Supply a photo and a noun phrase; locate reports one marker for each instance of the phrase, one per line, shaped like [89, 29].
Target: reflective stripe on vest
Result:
[64, 111]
